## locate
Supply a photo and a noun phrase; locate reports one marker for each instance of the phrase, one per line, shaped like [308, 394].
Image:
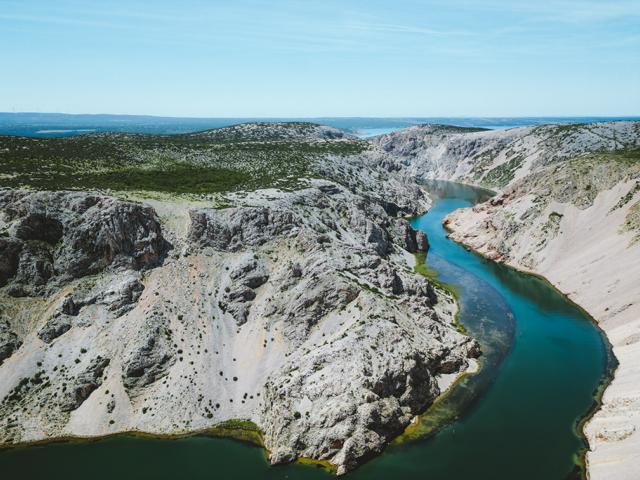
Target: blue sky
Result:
[321, 58]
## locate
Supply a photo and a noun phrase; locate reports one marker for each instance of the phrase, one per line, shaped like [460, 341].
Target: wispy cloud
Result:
[57, 20]
[564, 11]
[460, 28]
[408, 29]
[214, 27]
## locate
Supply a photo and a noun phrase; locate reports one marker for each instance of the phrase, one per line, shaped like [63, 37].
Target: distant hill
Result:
[59, 124]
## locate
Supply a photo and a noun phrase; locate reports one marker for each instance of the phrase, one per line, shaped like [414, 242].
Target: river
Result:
[543, 360]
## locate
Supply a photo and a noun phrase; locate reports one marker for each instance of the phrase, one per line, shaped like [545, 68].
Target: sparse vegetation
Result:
[219, 160]
[423, 269]
[628, 197]
[504, 173]
[453, 128]
[243, 430]
[632, 222]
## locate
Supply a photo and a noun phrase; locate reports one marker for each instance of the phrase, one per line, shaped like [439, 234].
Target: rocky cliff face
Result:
[567, 209]
[574, 224]
[296, 310]
[50, 238]
[496, 158]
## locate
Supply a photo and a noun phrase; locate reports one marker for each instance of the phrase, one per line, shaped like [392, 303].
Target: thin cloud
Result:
[59, 20]
[410, 29]
[559, 11]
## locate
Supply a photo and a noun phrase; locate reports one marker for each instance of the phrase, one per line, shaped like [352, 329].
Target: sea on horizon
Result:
[57, 125]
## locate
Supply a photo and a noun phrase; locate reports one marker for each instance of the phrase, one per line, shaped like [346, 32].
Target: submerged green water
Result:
[542, 362]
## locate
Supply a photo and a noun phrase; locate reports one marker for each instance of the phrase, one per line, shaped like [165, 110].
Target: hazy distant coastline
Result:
[59, 124]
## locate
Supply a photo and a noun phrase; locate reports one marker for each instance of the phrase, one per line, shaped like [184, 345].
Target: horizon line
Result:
[274, 117]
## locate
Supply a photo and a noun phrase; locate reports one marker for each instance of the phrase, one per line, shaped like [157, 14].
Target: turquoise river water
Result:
[543, 360]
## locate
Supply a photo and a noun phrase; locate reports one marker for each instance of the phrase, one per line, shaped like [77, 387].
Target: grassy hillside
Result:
[240, 157]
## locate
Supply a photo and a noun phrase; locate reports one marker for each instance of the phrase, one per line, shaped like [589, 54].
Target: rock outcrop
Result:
[233, 229]
[85, 384]
[57, 236]
[9, 341]
[149, 361]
